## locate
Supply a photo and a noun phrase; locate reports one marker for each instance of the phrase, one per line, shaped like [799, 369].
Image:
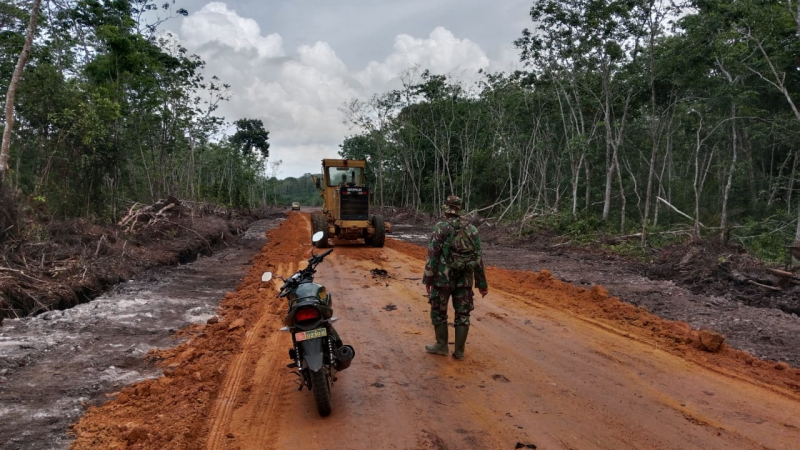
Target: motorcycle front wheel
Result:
[321, 385]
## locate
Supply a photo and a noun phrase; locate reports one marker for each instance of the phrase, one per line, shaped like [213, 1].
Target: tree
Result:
[12, 89]
[250, 135]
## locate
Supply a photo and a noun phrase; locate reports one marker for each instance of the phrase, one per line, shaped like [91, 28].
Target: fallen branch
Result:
[680, 212]
[128, 216]
[189, 229]
[783, 273]
[165, 209]
[21, 273]
[772, 288]
[99, 244]
[41, 306]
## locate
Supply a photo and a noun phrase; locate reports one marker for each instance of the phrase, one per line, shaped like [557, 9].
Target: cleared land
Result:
[548, 363]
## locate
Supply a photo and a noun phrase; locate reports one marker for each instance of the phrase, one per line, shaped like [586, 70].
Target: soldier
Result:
[454, 259]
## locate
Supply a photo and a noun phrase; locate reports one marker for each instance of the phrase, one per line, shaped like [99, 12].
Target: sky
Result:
[294, 63]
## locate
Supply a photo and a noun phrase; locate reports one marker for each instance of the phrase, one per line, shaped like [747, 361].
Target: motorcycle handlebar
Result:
[307, 272]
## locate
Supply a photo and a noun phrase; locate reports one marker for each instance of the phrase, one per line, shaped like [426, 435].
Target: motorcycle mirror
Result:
[317, 236]
[266, 276]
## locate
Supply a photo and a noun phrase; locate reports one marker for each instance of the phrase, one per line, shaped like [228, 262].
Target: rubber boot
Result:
[440, 347]
[461, 340]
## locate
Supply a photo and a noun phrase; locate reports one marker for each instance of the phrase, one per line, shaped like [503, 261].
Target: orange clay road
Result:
[547, 363]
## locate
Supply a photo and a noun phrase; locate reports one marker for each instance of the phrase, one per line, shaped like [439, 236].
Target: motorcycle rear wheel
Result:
[321, 385]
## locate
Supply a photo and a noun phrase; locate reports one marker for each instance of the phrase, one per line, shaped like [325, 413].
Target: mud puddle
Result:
[55, 365]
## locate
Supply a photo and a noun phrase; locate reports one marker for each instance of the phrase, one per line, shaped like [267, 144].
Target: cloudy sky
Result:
[293, 63]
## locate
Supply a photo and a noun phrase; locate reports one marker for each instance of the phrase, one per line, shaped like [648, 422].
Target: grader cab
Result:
[345, 205]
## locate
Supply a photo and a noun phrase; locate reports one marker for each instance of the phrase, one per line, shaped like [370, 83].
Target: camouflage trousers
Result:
[462, 304]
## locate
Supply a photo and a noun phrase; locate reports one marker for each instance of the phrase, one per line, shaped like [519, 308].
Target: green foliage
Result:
[766, 238]
[630, 249]
[617, 106]
[109, 114]
[300, 190]
[250, 135]
[580, 230]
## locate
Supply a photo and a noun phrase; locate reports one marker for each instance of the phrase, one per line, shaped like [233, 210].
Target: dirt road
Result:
[548, 364]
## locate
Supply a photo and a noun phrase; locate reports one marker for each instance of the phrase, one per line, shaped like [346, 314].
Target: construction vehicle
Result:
[345, 205]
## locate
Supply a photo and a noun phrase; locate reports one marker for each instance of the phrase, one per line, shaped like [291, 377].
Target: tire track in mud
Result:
[255, 388]
[239, 375]
[260, 374]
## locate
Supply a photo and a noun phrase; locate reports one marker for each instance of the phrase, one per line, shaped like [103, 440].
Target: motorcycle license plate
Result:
[311, 334]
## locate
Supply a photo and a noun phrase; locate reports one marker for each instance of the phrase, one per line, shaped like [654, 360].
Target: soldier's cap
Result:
[452, 205]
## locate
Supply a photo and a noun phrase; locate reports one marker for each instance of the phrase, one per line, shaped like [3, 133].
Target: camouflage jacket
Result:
[436, 271]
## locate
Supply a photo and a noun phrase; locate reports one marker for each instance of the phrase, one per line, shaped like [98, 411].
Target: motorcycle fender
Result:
[312, 352]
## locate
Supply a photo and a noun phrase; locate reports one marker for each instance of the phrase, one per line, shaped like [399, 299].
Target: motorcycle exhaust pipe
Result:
[344, 356]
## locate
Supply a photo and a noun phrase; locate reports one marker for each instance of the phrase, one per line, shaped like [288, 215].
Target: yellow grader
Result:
[345, 205]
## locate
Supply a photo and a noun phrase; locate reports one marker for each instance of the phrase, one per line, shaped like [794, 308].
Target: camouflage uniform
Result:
[445, 283]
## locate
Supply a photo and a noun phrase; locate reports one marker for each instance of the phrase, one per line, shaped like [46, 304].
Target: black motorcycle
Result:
[317, 351]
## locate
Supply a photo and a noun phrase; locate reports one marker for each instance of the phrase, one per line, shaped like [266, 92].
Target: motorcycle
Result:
[317, 351]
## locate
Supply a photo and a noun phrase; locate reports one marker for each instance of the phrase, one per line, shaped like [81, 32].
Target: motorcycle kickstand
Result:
[299, 380]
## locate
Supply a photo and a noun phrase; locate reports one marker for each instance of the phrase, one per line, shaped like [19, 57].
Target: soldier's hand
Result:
[483, 291]
[428, 289]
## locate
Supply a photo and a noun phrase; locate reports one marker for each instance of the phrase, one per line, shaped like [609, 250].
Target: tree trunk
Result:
[649, 191]
[12, 89]
[588, 191]
[380, 173]
[797, 20]
[797, 234]
[748, 153]
[790, 187]
[575, 181]
[609, 168]
[609, 159]
[621, 195]
[696, 187]
[723, 224]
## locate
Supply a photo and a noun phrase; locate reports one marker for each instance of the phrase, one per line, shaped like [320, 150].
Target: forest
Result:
[110, 111]
[651, 119]
[643, 118]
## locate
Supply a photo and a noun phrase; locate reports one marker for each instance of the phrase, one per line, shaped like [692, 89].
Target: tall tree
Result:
[12, 89]
[251, 136]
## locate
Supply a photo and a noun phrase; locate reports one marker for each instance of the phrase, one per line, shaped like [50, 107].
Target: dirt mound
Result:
[711, 267]
[59, 264]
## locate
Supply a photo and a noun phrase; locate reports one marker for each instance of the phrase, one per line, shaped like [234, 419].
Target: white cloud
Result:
[441, 53]
[298, 95]
[215, 23]
[321, 56]
[300, 159]
[508, 60]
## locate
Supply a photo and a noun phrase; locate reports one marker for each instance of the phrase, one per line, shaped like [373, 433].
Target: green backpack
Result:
[463, 254]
